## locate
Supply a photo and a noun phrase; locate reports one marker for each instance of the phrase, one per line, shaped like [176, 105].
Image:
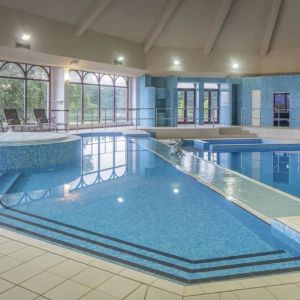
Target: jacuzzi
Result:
[31, 150]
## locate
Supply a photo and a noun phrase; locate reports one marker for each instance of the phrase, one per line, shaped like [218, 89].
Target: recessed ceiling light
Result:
[176, 62]
[26, 37]
[235, 66]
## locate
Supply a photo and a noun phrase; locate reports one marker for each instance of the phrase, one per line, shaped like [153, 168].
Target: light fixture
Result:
[120, 199]
[26, 37]
[175, 191]
[119, 60]
[235, 66]
[176, 62]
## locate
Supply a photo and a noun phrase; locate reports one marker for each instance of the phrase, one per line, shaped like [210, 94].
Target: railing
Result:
[140, 117]
[256, 117]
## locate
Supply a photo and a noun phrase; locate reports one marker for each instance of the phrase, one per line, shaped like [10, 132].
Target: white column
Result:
[59, 94]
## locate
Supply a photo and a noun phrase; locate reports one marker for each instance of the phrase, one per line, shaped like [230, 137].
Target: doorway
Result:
[211, 103]
[186, 106]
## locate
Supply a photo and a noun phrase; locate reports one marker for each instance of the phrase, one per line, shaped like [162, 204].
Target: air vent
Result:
[23, 45]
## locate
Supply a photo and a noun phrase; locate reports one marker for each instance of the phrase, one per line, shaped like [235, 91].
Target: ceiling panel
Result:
[189, 24]
[67, 11]
[287, 31]
[244, 26]
[129, 19]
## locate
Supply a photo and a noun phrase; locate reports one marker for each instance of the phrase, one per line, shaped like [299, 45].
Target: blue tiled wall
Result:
[151, 88]
[268, 85]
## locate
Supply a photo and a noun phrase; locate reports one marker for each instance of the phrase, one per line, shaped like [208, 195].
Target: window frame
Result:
[99, 76]
[26, 69]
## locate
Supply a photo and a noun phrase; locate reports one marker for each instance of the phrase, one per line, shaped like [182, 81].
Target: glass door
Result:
[186, 106]
[211, 106]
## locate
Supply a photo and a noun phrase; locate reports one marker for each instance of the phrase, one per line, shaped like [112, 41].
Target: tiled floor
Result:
[34, 269]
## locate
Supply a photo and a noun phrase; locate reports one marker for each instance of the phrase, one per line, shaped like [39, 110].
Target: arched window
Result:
[24, 87]
[38, 73]
[95, 97]
[90, 78]
[121, 81]
[12, 70]
[106, 80]
[75, 77]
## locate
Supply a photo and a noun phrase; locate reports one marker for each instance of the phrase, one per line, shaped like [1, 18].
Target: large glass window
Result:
[98, 97]
[24, 87]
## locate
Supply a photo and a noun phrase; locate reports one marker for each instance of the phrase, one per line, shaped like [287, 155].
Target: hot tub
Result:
[31, 150]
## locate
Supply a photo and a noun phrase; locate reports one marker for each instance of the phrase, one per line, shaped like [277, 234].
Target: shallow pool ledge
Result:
[289, 226]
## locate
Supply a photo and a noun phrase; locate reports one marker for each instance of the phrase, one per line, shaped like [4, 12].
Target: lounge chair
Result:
[13, 120]
[2, 128]
[47, 123]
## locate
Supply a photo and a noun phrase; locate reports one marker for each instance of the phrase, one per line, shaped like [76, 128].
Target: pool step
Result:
[7, 181]
[150, 260]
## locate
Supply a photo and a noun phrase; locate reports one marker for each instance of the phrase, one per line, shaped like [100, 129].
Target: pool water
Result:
[279, 169]
[127, 205]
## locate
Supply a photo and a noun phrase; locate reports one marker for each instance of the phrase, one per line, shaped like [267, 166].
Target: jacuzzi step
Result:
[7, 180]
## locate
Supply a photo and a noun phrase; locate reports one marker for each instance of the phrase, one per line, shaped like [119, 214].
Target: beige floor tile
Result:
[96, 295]
[118, 286]
[68, 290]
[92, 277]
[158, 294]
[47, 260]
[139, 293]
[86, 259]
[18, 293]
[7, 263]
[138, 276]
[3, 239]
[107, 266]
[254, 294]
[21, 273]
[55, 249]
[222, 286]
[41, 298]
[10, 247]
[169, 286]
[192, 290]
[204, 297]
[5, 285]
[27, 253]
[229, 296]
[285, 292]
[11, 234]
[43, 282]
[259, 281]
[289, 278]
[68, 268]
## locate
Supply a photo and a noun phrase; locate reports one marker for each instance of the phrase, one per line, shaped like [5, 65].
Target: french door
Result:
[186, 106]
[211, 106]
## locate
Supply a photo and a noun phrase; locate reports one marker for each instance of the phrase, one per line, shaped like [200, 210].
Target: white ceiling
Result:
[188, 27]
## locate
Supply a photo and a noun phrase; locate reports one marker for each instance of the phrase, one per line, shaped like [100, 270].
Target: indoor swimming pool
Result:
[125, 204]
[277, 166]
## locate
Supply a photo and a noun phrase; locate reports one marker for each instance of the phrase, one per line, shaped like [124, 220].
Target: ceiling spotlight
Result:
[119, 60]
[26, 37]
[235, 66]
[176, 62]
